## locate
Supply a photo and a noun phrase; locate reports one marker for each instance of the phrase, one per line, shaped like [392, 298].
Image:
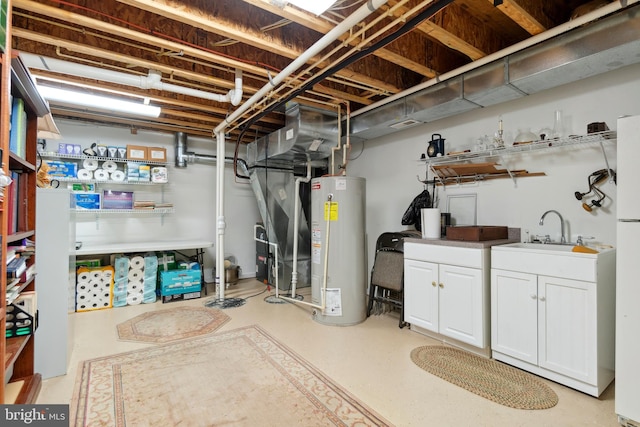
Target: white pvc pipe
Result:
[362, 12]
[296, 224]
[323, 290]
[353, 19]
[151, 81]
[555, 31]
[221, 225]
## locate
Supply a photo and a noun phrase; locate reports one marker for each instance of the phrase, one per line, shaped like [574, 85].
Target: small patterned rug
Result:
[488, 378]
[242, 377]
[172, 324]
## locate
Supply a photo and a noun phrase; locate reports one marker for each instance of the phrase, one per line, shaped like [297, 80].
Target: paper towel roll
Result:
[110, 166]
[117, 176]
[134, 299]
[135, 275]
[84, 174]
[90, 164]
[137, 262]
[101, 175]
[430, 223]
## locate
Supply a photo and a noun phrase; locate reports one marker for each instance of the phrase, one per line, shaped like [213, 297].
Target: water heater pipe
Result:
[296, 225]
[361, 13]
[323, 290]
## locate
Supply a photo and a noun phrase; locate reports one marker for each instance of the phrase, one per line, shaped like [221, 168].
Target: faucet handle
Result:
[580, 240]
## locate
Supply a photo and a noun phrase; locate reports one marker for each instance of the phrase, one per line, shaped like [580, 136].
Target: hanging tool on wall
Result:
[594, 180]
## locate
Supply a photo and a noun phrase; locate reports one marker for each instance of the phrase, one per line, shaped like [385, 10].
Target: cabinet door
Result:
[567, 325]
[421, 294]
[461, 304]
[514, 314]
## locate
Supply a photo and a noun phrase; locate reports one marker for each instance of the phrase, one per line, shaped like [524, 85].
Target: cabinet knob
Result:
[434, 284]
[534, 296]
[543, 299]
[441, 285]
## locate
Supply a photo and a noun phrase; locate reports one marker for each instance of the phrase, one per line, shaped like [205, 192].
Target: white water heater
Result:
[338, 249]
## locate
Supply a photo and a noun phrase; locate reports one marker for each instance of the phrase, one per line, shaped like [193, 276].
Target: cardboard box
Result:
[175, 282]
[87, 200]
[117, 199]
[157, 154]
[181, 297]
[136, 152]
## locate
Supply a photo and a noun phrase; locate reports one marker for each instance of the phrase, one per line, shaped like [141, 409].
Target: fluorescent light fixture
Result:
[101, 103]
[317, 7]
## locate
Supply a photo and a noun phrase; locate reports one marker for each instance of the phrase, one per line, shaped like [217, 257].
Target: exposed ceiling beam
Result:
[524, 17]
[216, 25]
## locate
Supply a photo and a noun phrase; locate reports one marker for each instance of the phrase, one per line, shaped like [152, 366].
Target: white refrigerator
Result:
[627, 400]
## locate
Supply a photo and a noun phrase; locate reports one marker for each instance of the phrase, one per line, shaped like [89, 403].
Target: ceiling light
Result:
[317, 7]
[101, 103]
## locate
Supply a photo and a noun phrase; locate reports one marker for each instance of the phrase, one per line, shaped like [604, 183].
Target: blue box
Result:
[87, 200]
[175, 282]
[62, 169]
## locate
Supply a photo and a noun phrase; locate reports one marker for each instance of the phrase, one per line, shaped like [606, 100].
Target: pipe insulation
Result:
[151, 81]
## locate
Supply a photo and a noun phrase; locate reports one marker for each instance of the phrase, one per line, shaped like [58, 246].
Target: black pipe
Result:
[408, 26]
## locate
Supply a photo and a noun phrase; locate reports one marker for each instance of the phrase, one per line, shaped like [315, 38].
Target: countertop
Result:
[514, 237]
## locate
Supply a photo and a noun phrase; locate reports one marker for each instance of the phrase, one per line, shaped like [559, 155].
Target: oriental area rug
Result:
[172, 324]
[242, 377]
[488, 378]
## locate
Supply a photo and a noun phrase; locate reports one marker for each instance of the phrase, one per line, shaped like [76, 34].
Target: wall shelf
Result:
[53, 155]
[460, 168]
[156, 211]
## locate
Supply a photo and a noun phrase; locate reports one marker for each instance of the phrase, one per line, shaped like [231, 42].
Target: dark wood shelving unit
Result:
[15, 82]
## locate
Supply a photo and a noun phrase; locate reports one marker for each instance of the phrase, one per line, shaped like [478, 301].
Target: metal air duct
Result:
[597, 47]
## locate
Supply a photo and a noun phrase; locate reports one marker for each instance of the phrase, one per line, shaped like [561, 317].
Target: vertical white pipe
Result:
[362, 12]
[220, 276]
[296, 224]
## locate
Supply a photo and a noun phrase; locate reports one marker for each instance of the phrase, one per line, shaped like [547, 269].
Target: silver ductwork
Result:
[605, 45]
[273, 161]
[309, 134]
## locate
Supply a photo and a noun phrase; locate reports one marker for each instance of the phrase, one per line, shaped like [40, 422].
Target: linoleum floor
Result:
[370, 360]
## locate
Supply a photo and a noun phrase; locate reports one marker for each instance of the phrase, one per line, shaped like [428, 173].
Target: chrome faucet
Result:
[562, 238]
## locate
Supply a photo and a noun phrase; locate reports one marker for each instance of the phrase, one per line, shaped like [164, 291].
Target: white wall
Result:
[192, 190]
[391, 167]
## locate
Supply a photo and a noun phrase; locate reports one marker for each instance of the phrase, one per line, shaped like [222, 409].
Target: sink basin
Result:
[555, 260]
[564, 247]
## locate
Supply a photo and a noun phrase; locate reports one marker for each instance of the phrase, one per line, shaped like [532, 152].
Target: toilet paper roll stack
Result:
[135, 280]
[94, 288]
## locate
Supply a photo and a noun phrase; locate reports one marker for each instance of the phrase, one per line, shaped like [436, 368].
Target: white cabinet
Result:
[556, 327]
[446, 292]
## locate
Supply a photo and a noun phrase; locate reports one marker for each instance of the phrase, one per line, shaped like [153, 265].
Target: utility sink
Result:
[544, 247]
[557, 260]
